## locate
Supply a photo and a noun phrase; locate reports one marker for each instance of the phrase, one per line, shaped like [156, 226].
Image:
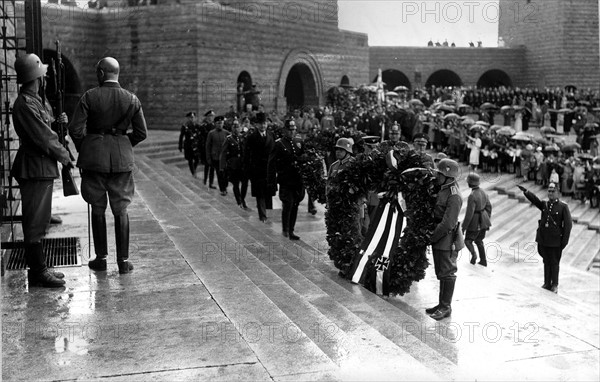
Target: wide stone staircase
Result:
[327, 328]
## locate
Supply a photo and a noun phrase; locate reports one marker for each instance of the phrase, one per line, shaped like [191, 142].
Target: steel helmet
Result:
[344, 144]
[29, 67]
[448, 167]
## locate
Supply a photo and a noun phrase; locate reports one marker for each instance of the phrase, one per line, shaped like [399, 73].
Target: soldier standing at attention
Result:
[99, 128]
[35, 166]
[552, 234]
[447, 208]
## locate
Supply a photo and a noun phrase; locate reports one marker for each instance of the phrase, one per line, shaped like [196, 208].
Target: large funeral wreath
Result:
[370, 173]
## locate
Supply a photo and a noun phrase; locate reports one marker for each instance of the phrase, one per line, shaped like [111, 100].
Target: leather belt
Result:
[110, 131]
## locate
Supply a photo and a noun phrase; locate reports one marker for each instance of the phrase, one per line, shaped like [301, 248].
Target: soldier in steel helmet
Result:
[108, 122]
[35, 165]
[343, 154]
[477, 219]
[445, 252]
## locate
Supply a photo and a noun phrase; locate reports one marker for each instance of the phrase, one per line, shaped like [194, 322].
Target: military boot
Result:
[445, 309]
[122, 241]
[432, 310]
[100, 244]
[39, 274]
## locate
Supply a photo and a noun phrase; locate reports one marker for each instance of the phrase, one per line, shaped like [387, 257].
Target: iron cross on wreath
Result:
[382, 264]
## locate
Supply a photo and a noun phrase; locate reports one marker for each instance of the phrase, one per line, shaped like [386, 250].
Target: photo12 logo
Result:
[470, 11]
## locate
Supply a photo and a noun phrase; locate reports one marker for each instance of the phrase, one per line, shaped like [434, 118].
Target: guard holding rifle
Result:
[100, 131]
[35, 165]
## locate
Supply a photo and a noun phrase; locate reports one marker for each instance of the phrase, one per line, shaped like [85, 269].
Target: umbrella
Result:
[464, 106]
[565, 110]
[445, 108]
[541, 140]
[592, 125]
[596, 109]
[585, 156]
[477, 128]
[415, 101]
[521, 137]
[468, 121]
[571, 147]
[507, 130]
[496, 127]
[547, 129]
[488, 105]
[482, 123]
[551, 148]
[451, 116]
[391, 94]
[400, 88]
[506, 108]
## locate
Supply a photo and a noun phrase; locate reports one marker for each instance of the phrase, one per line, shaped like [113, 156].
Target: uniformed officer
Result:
[282, 169]
[343, 154]
[214, 143]
[189, 142]
[420, 145]
[231, 163]
[35, 166]
[205, 127]
[447, 208]
[554, 229]
[99, 129]
[477, 219]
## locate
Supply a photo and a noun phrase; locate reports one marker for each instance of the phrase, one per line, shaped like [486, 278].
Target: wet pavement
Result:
[218, 295]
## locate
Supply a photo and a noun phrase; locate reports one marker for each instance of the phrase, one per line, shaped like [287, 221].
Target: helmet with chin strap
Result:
[29, 67]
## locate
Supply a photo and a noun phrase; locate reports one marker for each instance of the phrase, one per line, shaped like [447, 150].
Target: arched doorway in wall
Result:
[443, 78]
[244, 88]
[494, 78]
[393, 78]
[72, 85]
[300, 88]
[345, 82]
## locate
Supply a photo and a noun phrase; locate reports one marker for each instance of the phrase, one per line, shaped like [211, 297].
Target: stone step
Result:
[569, 253]
[590, 218]
[586, 254]
[306, 316]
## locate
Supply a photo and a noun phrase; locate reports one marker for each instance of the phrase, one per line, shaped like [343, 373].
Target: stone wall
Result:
[468, 63]
[561, 39]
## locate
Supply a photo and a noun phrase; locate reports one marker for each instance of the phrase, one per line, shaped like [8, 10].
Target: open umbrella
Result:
[585, 156]
[570, 147]
[488, 105]
[391, 94]
[416, 102]
[447, 108]
[541, 140]
[565, 110]
[482, 123]
[547, 130]
[451, 116]
[551, 148]
[521, 137]
[495, 127]
[464, 106]
[400, 88]
[479, 128]
[506, 108]
[468, 121]
[592, 125]
[507, 130]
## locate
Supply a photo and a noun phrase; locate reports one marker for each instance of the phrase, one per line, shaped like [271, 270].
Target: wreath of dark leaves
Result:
[370, 173]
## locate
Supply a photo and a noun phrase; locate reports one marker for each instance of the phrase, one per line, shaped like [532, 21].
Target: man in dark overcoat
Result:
[282, 170]
[554, 229]
[477, 219]
[259, 144]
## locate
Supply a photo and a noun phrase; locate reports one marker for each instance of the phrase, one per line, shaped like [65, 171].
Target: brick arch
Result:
[306, 59]
[494, 78]
[444, 77]
[394, 78]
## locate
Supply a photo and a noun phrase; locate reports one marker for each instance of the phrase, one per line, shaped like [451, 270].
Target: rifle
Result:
[69, 186]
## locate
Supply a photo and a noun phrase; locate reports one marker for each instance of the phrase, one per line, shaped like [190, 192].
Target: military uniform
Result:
[214, 144]
[99, 129]
[189, 142]
[231, 162]
[477, 222]
[35, 169]
[258, 147]
[554, 230]
[338, 166]
[447, 208]
[282, 170]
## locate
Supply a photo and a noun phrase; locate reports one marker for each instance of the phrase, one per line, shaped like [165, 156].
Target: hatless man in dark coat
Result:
[258, 146]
